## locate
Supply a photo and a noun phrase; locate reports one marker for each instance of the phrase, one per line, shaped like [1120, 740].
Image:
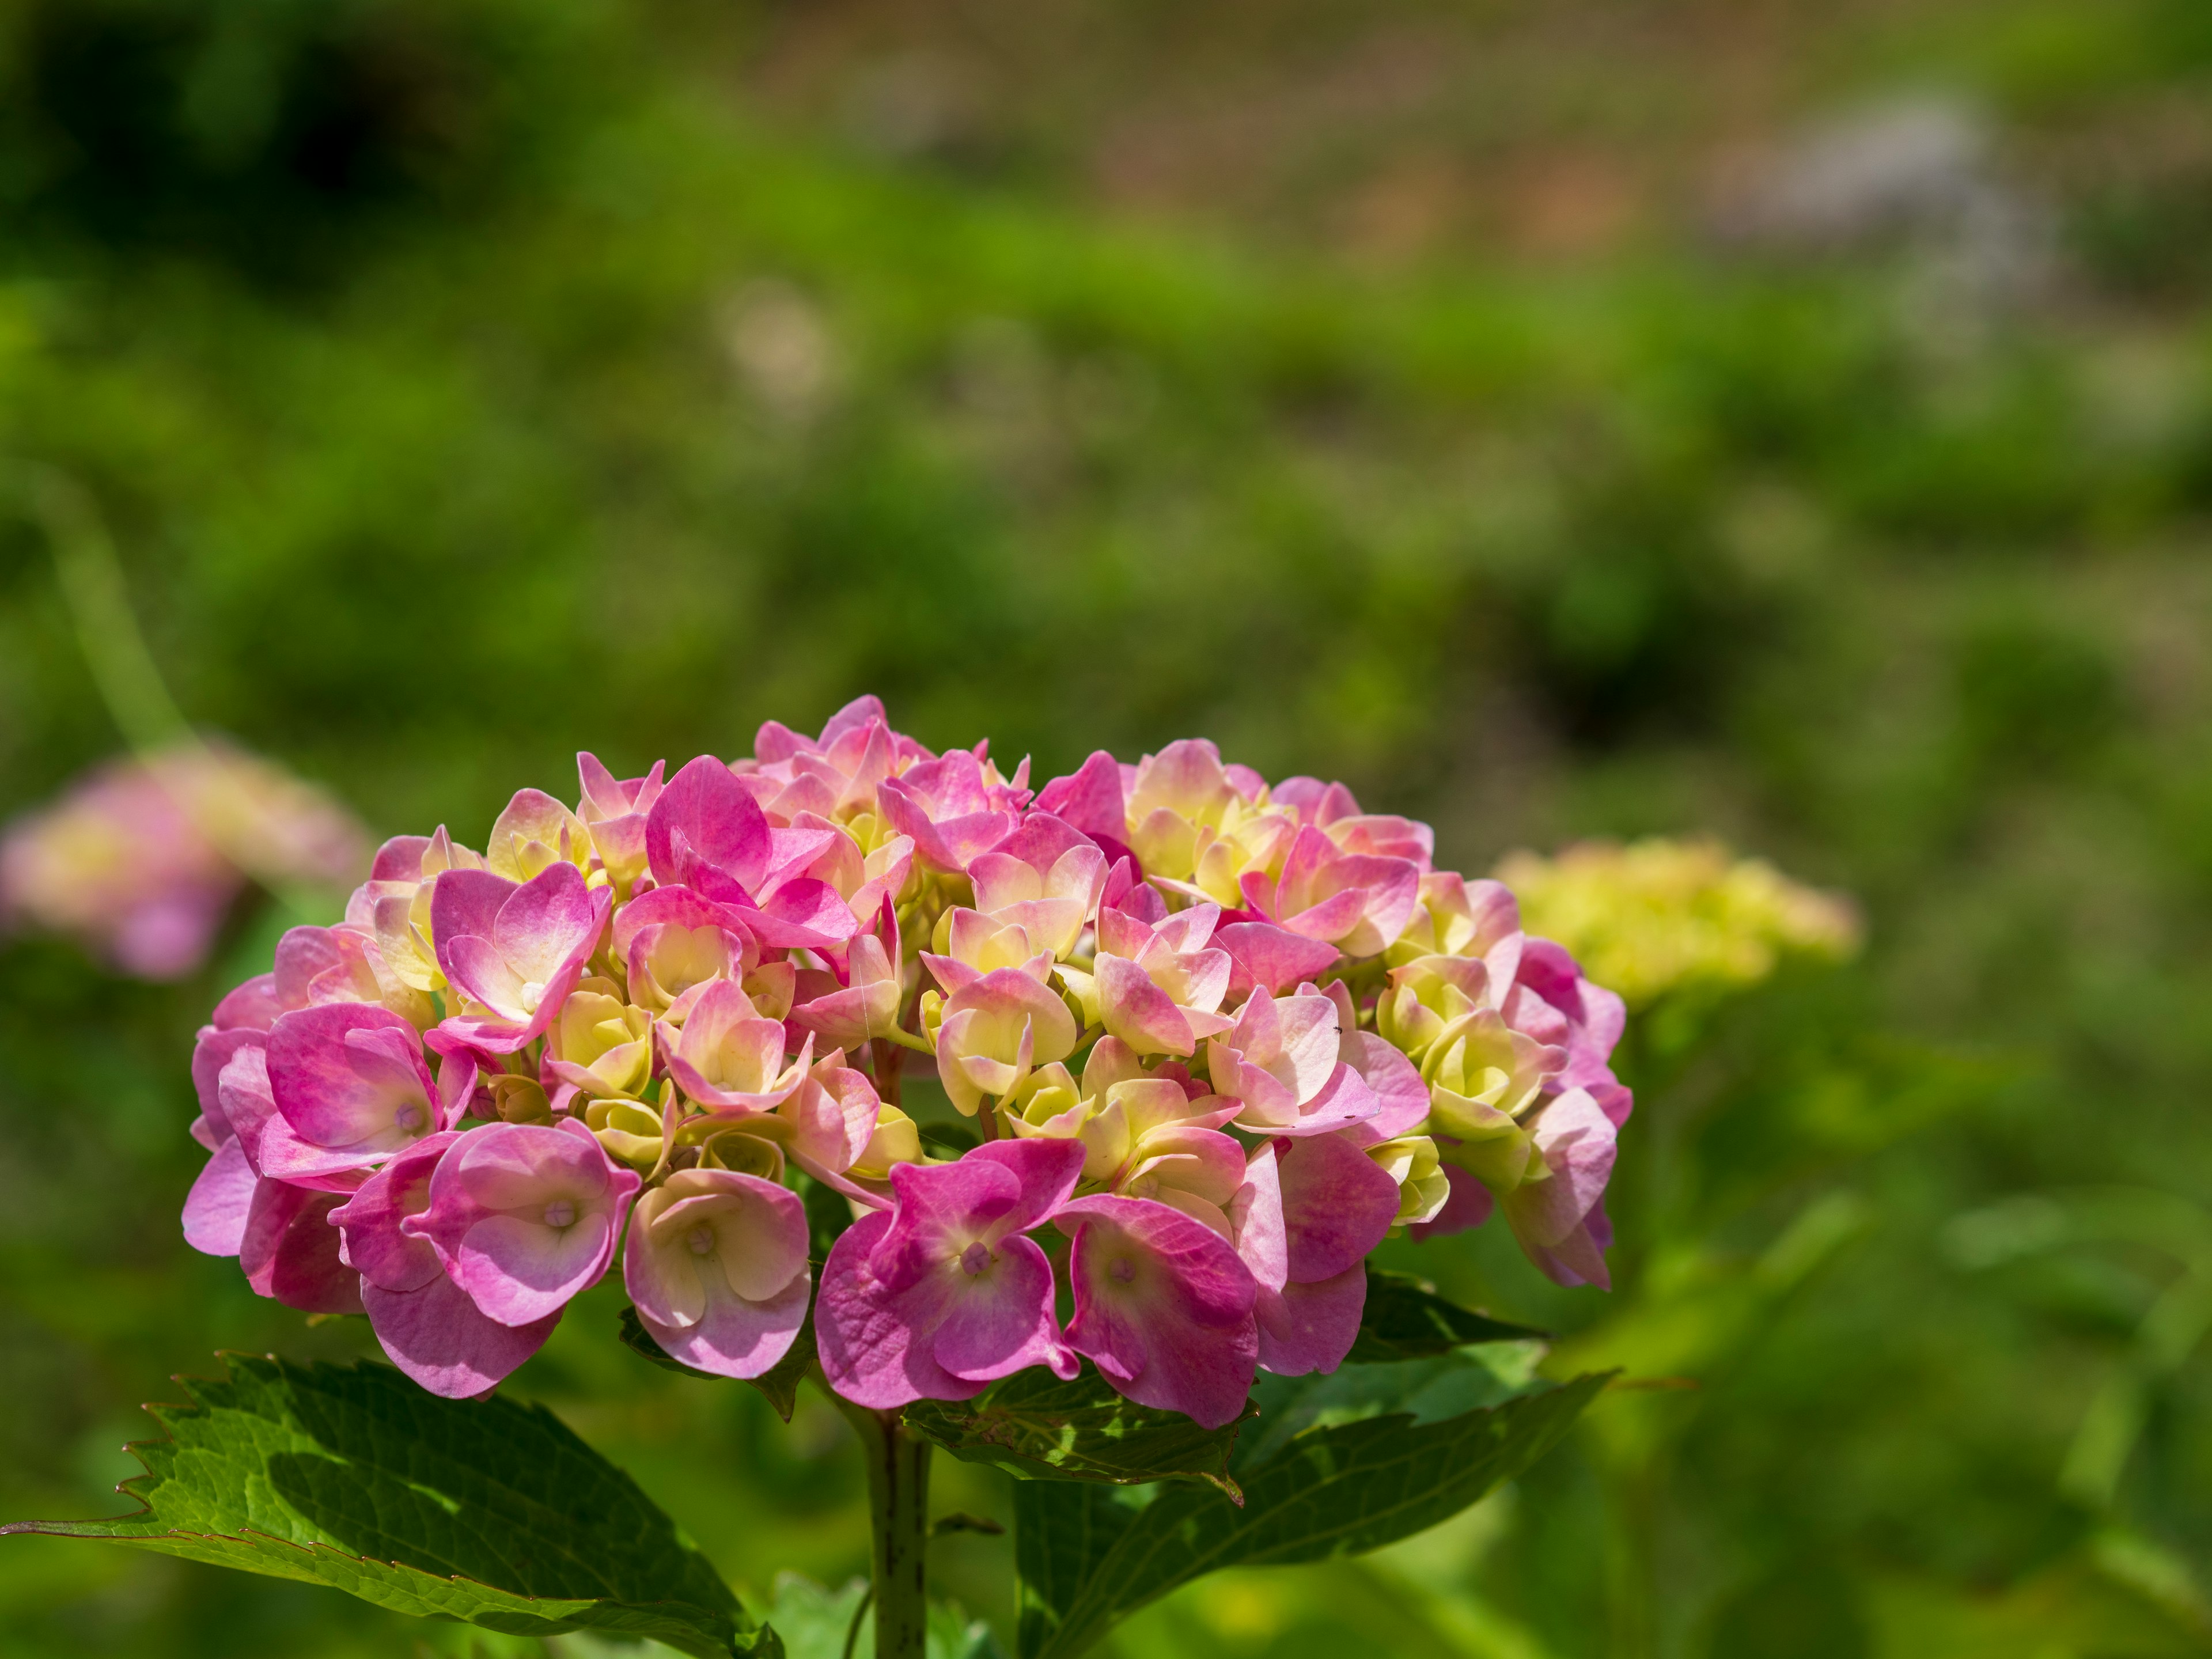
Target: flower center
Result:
[560, 1212]
[975, 1258]
[701, 1238]
[532, 992]
[408, 1117]
[1122, 1269]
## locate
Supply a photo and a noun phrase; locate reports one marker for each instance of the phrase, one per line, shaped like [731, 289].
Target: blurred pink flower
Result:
[141, 860]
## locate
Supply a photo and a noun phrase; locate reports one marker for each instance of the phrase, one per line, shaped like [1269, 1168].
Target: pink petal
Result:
[1138, 1012]
[1576, 1142]
[222, 1194]
[369, 1221]
[1395, 1083]
[853, 716]
[466, 904]
[254, 1005]
[290, 1251]
[211, 1055]
[706, 818]
[302, 954]
[1163, 1307]
[441, 1339]
[679, 907]
[549, 922]
[1270, 958]
[1310, 1328]
[869, 1351]
[351, 1075]
[1338, 1205]
[399, 858]
[1090, 799]
[737, 1338]
[803, 915]
[519, 1271]
[998, 1320]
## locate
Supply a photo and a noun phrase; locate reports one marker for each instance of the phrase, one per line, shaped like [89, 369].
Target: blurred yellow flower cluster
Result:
[1656, 915]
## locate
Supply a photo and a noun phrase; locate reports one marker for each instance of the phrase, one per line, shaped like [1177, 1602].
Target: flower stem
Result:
[898, 1515]
[898, 1503]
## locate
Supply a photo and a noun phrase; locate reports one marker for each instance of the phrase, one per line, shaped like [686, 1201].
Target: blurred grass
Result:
[471, 384]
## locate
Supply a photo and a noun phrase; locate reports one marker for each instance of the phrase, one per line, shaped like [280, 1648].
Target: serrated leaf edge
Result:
[254, 1539]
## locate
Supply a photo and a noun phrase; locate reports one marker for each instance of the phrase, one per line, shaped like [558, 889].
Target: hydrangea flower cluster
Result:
[1219, 1038]
[1658, 915]
[141, 859]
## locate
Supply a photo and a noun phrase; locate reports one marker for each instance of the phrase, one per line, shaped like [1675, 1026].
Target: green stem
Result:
[98, 598]
[898, 1506]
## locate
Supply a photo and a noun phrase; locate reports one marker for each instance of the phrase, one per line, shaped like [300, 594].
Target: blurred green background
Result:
[1590, 417]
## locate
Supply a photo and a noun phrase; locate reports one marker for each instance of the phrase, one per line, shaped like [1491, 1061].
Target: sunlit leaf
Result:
[1406, 1319]
[1034, 1427]
[486, 1511]
[1088, 1556]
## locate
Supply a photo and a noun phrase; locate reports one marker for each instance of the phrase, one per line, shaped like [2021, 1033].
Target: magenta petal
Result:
[1163, 1306]
[678, 906]
[222, 1196]
[999, 1321]
[369, 1221]
[737, 1338]
[438, 1337]
[1271, 958]
[1047, 1170]
[214, 1051]
[1310, 1328]
[289, 1250]
[1338, 1205]
[350, 1074]
[941, 1207]
[705, 817]
[465, 904]
[251, 1006]
[517, 1270]
[869, 1349]
[1090, 799]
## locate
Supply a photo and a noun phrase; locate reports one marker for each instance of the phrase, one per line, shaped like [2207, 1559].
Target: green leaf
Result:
[779, 1382]
[1425, 1390]
[1406, 1319]
[486, 1511]
[1087, 1561]
[1036, 1427]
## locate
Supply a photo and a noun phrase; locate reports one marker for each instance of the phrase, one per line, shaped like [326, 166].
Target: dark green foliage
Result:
[1034, 1427]
[1088, 1556]
[1406, 1319]
[481, 1510]
[428, 478]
